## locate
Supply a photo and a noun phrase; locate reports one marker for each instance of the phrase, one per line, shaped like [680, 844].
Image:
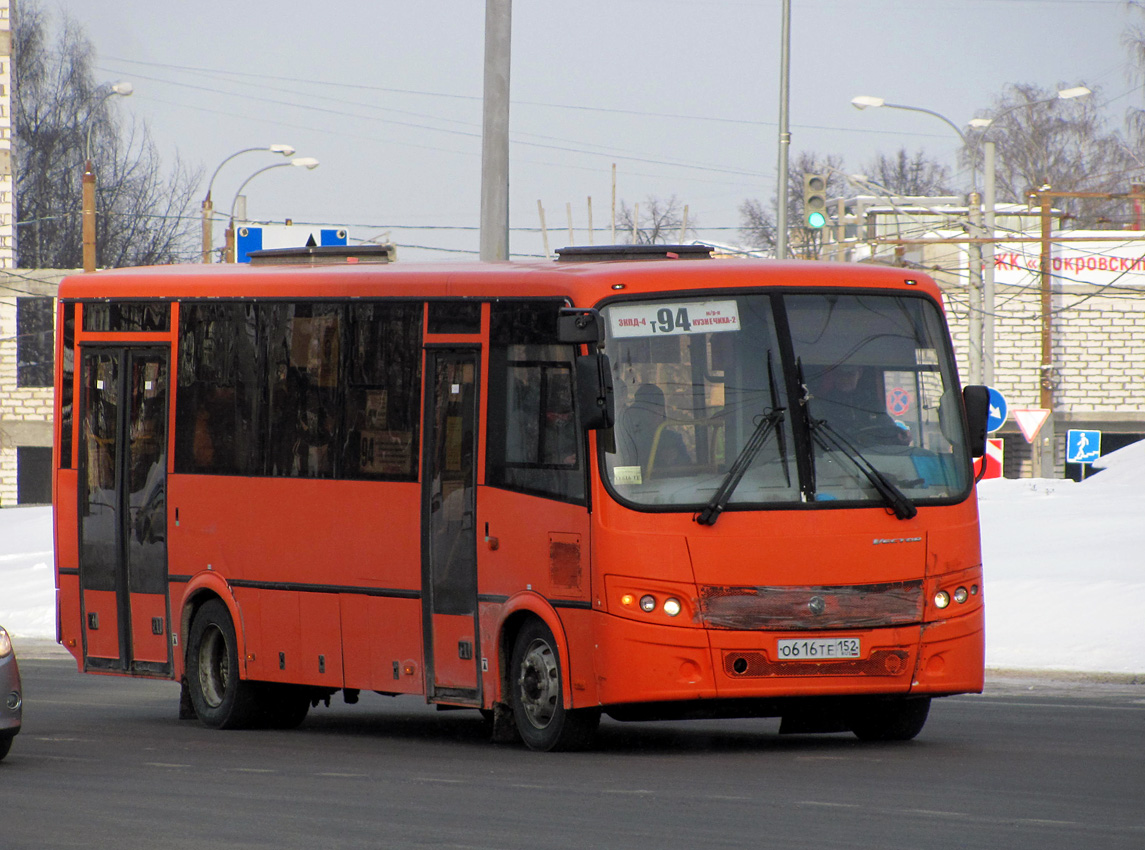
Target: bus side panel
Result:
[67, 559]
[294, 547]
[382, 644]
[321, 633]
[101, 617]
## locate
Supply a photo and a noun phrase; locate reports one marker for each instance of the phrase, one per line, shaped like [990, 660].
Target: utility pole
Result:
[88, 217]
[784, 133]
[495, 133]
[1045, 439]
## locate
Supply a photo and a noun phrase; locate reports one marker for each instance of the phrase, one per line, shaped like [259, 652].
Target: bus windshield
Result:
[754, 400]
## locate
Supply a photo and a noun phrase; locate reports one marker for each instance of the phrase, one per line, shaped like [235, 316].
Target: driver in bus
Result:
[847, 398]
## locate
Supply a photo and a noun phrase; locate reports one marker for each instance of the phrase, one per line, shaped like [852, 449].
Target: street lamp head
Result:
[123, 89]
[1076, 91]
[285, 150]
[863, 101]
[305, 162]
[980, 123]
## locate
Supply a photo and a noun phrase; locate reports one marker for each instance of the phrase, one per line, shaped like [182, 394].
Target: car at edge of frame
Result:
[11, 694]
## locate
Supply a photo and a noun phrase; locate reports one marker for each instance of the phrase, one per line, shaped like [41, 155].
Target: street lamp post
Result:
[973, 250]
[307, 162]
[87, 210]
[208, 207]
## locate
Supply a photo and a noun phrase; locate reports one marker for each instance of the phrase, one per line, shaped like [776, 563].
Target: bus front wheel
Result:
[536, 695]
[222, 699]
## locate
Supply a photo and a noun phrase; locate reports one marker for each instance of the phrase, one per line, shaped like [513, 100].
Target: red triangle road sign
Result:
[1031, 421]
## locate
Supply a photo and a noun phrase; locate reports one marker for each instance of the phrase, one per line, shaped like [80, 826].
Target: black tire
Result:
[5, 744]
[891, 720]
[222, 699]
[536, 695]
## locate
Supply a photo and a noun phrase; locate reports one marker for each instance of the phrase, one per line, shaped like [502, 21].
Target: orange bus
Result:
[665, 487]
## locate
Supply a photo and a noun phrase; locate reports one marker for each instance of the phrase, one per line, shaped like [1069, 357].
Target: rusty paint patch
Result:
[812, 607]
[564, 564]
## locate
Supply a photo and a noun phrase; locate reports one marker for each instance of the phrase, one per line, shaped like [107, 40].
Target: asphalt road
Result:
[104, 763]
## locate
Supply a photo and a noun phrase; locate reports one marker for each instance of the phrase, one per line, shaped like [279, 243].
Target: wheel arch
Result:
[201, 590]
[518, 610]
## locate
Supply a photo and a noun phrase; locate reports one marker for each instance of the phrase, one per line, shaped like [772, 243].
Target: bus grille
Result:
[896, 603]
[756, 665]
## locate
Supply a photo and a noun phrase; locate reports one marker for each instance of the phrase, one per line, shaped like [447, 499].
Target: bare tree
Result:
[904, 174]
[142, 214]
[757, 224]
[1059, 143]
[1134, 39]
[659, 221]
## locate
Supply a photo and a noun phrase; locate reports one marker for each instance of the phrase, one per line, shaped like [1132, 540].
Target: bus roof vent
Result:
[603, 253]
[324, 255]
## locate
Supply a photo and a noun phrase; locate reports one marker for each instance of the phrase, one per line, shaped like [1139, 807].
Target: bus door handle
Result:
[492, 542]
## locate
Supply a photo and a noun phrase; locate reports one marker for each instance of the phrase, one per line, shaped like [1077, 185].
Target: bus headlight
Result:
[961, 595]
[648, 603]
[941, 599]
[672, 606]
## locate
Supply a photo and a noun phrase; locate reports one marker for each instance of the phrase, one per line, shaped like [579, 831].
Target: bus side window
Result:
[382, 391]
[535, 443]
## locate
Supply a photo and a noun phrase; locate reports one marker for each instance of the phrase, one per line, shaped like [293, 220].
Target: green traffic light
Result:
[816, 220]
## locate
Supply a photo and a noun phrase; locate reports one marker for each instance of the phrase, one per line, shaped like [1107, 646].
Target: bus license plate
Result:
[818, 649]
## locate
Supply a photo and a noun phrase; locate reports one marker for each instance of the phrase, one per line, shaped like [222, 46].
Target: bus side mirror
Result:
[578, 326]
[976, 401]
[594, 392]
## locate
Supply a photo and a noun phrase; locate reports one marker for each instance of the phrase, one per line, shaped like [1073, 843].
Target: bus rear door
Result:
[123, 509]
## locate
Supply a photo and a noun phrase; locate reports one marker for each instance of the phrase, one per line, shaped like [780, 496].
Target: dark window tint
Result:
[65, 424]
[221, 399]
[303, 389]
[304, 362]
[33, 475]
[535, 443]
[382, 391]
[127, 316]
[34, 342]
[454, 317]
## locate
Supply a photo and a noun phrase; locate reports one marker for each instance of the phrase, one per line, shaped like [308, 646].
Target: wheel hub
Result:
[539, 683]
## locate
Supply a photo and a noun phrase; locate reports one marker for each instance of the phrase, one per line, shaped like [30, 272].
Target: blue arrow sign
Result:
[997, 411]
[1082, 446]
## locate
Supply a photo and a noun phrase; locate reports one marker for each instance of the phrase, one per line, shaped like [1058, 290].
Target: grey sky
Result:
[681, 94]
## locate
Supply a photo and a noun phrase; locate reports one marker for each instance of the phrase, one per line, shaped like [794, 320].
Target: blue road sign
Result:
[997, 411]
[1082, 446]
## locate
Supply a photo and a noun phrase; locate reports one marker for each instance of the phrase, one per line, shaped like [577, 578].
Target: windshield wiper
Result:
[895, 499]
[719, 500]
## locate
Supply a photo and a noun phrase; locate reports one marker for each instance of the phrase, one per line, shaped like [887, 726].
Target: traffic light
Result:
[814, 201]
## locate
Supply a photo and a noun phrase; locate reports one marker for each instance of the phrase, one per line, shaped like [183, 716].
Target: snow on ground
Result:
[1064, 562]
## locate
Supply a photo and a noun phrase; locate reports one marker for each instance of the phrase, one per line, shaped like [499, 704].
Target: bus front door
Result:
[449, 533]
[123, 510]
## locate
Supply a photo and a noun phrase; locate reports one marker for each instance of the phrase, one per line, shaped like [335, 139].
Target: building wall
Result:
[1099, 374]
[25, 412]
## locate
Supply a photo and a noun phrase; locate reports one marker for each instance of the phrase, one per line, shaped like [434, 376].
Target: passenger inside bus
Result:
[643, 420]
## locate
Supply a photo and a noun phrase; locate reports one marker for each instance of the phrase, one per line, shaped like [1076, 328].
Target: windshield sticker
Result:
[626, 475]
[673, 319]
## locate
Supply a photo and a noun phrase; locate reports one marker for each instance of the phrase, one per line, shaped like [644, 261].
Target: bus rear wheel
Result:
[222, 699]
[536, 695]
[891, 720]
